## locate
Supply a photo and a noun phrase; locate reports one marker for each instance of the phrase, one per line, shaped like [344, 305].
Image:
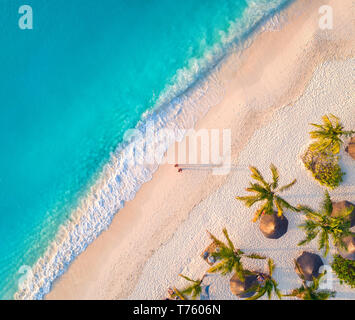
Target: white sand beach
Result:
[284, 80]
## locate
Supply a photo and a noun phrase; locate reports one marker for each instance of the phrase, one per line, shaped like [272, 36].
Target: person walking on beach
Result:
[177, 166]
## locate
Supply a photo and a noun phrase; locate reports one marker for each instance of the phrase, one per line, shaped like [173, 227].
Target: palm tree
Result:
[230, 257]
[194, 290]
[329, 135]
[267, 193]
[312, 292]
[323, 224]
[177, 293]
[266, 284]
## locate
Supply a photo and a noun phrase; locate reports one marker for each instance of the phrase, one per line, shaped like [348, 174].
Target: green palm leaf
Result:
[327, 205]
[255, 256]
[288, 186]
[230, 243]
[312, 292]
[193, 290]
[325, 226]
[267, 285]
[229, 257]
[257, 176]
[266, 194]
[271, 266]
[275, 176]
[329, 135]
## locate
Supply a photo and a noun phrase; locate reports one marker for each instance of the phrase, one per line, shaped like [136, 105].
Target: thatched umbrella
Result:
[351, 148]
[338, 207]
[349, 254]
[273, 226]
[307, 265]
[239, 287]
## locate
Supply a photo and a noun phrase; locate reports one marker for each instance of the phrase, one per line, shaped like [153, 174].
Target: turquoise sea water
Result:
[73, 85]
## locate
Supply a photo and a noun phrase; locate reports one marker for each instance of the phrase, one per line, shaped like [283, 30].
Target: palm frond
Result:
[255, 256]
[284, 204]
[276, 289]
[220, 266]
[239, 271]
[188, 279]
[299, 269]
[329, 135]
[278, 205]
[287, 186]
[217, 242]
[249, 200]
[348, 134]
[260, 292]
[271, 266]
[179, 294]
[323, 224]
[258, 189]
[323, 242]
[312, 291]
[310, 235]
[264, 208]
[275, 176]
[305, 209]
[327, 205]
[230, 243]
[265, 194]
[346, 212]
[257, 176]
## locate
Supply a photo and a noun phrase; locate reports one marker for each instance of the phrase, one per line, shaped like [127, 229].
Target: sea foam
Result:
[194, 91]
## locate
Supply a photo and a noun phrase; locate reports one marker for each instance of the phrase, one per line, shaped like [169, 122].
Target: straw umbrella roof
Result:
[338, 208]
[307, 265]
[272, 226]
[351, 148]
[349, 254]
[239, 287]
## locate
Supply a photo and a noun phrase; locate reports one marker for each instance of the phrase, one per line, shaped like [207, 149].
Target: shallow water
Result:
[72, 86]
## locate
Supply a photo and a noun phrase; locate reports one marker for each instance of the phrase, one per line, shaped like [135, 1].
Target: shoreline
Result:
[111, 266]
[119, 180]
